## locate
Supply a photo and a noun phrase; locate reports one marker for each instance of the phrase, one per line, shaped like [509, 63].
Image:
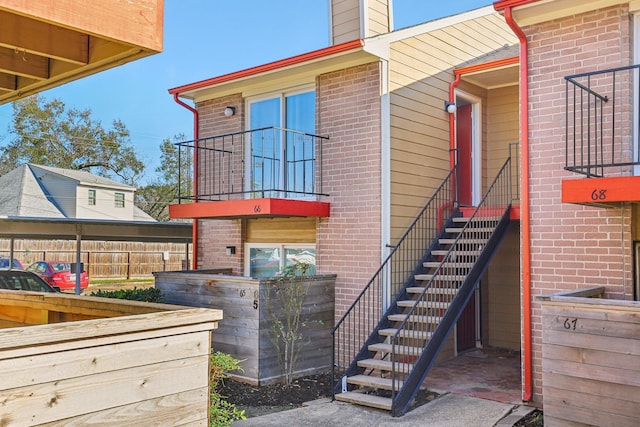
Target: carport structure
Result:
[13, 228]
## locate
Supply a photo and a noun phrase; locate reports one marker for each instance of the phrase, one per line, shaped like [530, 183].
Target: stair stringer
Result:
[402, 401]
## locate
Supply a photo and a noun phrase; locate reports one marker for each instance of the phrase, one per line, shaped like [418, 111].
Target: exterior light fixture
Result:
[231, 250]
[229, 111]
[450, 107]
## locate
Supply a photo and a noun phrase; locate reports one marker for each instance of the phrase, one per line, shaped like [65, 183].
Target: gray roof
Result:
[21, 195]
[82, 177]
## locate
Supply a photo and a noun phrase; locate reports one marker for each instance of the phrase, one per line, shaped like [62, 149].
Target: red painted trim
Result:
[196, 120]
[601, 190]
[305, 57]
[254, 208]
[487, 65]
[504, 4]
[525, 224]
[452, 121]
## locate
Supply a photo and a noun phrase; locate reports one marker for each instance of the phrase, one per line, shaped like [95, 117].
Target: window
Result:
[275, 166]
[119, 200]
[92, 197]
[268, 259]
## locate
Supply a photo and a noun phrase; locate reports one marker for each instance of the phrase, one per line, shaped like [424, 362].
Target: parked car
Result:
[59, 273]
[20, 280]
[4, 263]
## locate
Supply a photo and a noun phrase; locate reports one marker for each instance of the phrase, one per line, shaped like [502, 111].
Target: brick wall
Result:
[349, 241]
[215, 235]
[571, 246]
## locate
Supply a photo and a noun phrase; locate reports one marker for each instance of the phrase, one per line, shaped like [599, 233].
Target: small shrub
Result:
[221, 412]
[135, 294]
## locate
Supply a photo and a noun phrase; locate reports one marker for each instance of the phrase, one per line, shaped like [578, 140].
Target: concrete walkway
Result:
[449, 410]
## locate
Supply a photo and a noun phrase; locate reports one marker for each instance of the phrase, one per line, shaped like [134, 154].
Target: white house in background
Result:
[42, 191]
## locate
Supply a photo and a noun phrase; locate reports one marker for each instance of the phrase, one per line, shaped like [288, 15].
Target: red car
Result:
[58, 273]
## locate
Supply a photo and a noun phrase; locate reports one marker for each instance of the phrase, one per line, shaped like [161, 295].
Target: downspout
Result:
[452, 121]
[194, 228]
[524, 204]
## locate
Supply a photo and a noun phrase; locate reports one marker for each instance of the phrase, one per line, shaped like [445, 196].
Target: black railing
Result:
[599, 128]
[266, 162]
[361, 321]
[447, 292]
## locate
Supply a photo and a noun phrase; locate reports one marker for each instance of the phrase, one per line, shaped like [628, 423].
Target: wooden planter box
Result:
[590, 360]
[245, 330]
[67, 359]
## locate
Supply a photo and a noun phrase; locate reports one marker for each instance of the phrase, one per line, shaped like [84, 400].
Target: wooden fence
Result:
[106, 259]
[96, 361]
[590, 360]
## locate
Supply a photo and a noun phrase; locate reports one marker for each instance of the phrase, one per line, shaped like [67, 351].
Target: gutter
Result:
[195, 174]
[507, 6]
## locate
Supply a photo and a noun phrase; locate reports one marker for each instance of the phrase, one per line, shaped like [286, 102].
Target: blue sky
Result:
[204, 39]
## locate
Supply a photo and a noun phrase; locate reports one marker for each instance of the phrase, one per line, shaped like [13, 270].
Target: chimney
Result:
[359, 19]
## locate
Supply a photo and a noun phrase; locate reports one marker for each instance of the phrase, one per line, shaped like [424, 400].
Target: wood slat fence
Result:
[106, 259]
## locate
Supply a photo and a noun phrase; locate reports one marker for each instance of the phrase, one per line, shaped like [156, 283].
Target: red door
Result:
[466, 327]
[463, 140]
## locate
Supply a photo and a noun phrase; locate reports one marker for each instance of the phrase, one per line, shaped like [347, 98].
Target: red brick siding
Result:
[215, 235]
[571, 246]
[349, 241]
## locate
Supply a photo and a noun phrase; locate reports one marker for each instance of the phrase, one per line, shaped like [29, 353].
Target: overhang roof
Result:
[92, 229]
[307, 65]
[44, 44]
[528, 12]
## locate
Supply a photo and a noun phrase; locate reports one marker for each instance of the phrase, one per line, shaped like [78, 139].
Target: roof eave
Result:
[352, 48]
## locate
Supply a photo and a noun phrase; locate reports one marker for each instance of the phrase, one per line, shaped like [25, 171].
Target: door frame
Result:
[476, 143]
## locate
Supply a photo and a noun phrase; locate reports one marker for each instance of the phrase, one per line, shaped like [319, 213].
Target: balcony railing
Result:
[600, 120]
[266, 162]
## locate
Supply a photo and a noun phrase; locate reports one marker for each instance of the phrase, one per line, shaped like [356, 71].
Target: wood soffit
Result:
[42, 47]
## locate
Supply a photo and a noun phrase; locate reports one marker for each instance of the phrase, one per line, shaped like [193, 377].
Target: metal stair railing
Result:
[363, 318]
[474, 246]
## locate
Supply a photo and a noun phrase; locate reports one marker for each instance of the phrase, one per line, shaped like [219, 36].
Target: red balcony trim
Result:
[250, 208]
[599, 191]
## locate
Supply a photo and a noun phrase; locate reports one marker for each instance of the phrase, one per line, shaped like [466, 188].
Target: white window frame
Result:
[92, 197]
[282, 95]
[280, 245]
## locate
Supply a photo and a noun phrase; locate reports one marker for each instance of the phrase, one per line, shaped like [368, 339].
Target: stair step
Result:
[458, 230]
[375, 382]
[424, 304]
[406, 333]
[385, 365]
[446, 265]
[443, 277]
[432, 290]
[414, 318]
[443, 252]
[399, 349]
[484, 218]
[465, 241]
[365, 400]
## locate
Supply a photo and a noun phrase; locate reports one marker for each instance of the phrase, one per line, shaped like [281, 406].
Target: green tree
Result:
[48, 133]
[156, 197]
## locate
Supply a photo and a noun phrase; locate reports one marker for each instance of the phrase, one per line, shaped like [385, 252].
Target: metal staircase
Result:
[389, 338]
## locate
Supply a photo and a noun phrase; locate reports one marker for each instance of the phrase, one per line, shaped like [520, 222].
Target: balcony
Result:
[266, 172]
[601, 137]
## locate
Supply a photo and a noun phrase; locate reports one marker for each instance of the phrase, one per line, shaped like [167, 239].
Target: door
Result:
[464, 133]
[466, 326]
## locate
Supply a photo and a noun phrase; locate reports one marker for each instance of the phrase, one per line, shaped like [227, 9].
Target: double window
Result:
[119, 200]
[268, 259]
[282, 145]
[92, 197]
